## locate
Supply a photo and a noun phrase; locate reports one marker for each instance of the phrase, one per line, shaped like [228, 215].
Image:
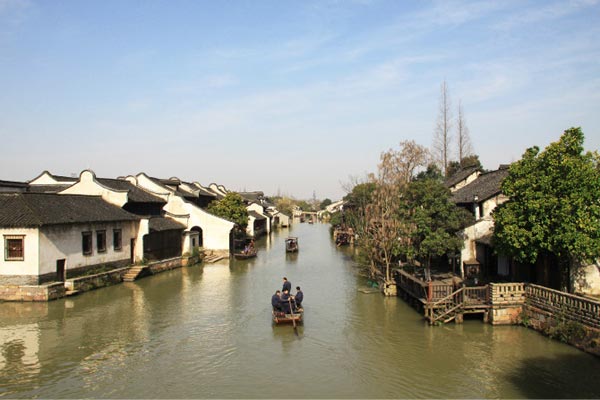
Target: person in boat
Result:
[287, 285]
[276, 301]
[286, 301]
[298, 297]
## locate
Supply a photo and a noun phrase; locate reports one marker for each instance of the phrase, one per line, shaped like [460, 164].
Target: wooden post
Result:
[429, 289]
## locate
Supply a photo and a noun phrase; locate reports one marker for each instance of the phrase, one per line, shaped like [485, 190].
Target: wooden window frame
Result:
[117, 244]
[89, 237]
[7, 248]
[101, 241]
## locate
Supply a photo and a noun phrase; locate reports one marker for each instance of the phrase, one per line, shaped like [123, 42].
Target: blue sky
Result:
[286, 97]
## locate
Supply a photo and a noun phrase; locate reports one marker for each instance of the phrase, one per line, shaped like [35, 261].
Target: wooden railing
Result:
[476, 295]
[564, 305]
[412, 285]
[445, 309]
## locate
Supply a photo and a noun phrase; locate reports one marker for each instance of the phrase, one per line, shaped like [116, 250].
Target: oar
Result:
[293, 319]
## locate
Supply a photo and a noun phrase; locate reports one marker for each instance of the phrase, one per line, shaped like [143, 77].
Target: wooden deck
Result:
[442, 301]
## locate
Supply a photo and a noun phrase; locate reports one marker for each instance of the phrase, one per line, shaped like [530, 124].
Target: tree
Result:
[231, 207]
[553, 206]
[431, 221]
[325, 203]
[465, 148]
[442, 137]
[466, 162]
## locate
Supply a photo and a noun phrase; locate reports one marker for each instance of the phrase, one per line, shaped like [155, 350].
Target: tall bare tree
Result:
[379, 236]
[465, 149]
[442, 136]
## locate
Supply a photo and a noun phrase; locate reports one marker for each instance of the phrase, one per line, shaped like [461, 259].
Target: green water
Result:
[206, 332]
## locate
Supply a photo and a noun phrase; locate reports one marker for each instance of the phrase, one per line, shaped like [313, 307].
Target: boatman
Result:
[276, 301]
[298, 297]
[287, 285]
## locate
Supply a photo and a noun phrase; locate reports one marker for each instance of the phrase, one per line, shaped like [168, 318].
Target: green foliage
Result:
[432, 172]
[554, 203]
[466, 162]
[304, 205]
[430, 221]
[325, 203]
[232, 207]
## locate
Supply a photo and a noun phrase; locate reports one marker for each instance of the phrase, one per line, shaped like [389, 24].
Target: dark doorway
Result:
[132, 250]
[61, 275]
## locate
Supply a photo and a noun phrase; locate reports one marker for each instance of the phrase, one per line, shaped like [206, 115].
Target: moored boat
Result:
[245, 256]
[291, 244]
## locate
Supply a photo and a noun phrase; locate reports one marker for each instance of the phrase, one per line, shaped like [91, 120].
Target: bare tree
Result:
[404, 162]
[465, 149]
[442, 137]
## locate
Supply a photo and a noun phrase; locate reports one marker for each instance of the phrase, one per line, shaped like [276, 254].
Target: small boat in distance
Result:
[280, 317]
[291, 244]
[245, 256]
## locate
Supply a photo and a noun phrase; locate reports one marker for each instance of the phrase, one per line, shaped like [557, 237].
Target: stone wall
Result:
[164, 265]
[91, 282]
[32, 293]
[507, 300]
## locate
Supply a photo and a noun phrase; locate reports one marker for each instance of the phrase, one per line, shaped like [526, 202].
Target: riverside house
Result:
[479, 258]
[44, 235]
[201, 227]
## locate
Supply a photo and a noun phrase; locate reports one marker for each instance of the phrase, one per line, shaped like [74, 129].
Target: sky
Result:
[293, 98]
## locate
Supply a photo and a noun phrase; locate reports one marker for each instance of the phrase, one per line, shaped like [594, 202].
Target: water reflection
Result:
[206, 331]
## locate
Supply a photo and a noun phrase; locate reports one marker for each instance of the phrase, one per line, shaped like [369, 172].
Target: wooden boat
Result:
[245, 256]
[279, 317]
[291, 244]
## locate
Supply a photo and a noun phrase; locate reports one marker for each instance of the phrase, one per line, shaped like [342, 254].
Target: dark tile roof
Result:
[255, 197]
[12, 186]
[460, 175]
[158, 224]
[485, 186]
[38, 209]
[255, 215]
[202, 191]
[47, 188]
[134, 195]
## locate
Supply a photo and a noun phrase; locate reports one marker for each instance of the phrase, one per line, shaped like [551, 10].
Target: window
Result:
[117, 239]
[101, 241]
[86, 243]
[14, 248]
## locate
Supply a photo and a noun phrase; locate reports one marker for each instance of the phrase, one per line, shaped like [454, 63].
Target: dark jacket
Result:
[287, 285]
[299, 297]
[285, 302]
[275, 301]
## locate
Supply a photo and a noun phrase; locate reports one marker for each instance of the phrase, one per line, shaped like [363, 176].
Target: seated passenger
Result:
[276, 301]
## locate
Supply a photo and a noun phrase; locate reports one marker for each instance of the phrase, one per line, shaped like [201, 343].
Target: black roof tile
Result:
[38, 209]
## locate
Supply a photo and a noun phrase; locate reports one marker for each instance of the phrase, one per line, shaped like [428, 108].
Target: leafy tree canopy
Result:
[232, 208]
[554, 203]
[325, 203]
[466, 162]
[431, 221]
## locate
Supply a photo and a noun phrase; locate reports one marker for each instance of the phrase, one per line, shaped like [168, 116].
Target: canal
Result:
[205, 332]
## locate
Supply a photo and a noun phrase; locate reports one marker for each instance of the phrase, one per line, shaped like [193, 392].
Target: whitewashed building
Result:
[43, 236]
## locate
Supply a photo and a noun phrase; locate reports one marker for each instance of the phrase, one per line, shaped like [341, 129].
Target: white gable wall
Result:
[89, 186]
[215, 230]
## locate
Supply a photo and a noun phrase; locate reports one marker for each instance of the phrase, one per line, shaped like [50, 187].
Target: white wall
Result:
[586, 278]
[30, 263]
[65, 241]
[87, 185]
[215, 230]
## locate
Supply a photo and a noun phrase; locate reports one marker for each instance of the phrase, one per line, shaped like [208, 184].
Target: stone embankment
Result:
[56, 290]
